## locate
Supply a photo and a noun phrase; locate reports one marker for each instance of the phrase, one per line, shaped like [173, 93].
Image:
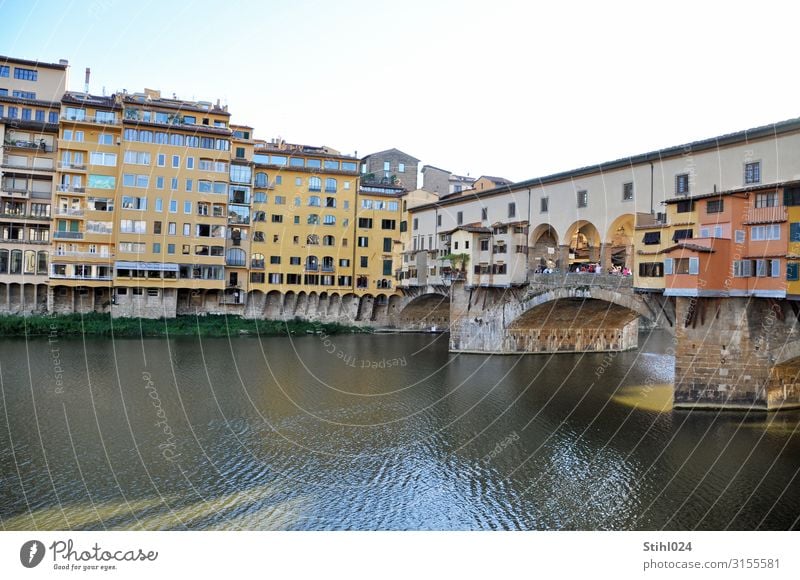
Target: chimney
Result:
[63, 62]
[86, 86]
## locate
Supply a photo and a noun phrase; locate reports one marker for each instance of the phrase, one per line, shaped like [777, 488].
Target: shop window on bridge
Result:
[651, 238]
[651, 269]
[793, 271]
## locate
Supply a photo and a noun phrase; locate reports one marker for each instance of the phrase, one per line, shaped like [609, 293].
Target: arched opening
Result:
[543, 249]
[618, 247]
[573, 325]
[426, 312]
[584, 244]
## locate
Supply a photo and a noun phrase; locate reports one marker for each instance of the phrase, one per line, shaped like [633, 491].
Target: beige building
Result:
[30, 94]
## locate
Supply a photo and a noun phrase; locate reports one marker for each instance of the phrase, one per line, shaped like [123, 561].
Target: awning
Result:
[682, 235]
[158, 266]
[652, 238]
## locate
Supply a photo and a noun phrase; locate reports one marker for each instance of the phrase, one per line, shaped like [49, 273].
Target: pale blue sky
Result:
[502, 88]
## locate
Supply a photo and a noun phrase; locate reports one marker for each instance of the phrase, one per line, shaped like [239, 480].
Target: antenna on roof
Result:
[86, 85]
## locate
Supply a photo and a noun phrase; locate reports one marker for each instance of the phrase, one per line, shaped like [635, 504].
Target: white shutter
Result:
[694, 266]
[667, 266]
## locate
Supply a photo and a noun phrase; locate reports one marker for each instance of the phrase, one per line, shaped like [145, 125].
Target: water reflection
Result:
[280, 433]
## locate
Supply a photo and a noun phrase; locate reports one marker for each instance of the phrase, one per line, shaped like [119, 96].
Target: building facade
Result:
[30, 94]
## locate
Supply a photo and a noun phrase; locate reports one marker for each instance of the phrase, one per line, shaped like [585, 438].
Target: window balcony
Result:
[62, 211]
[68, 235]
[312, 268]
[72, 166]
[95, 120]
[328, 268]
[35, 145]
[70, 189]
[763, 215]
[235, 262]
[80, 277]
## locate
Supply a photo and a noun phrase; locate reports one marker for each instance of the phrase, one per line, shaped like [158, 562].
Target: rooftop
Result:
[60, 65]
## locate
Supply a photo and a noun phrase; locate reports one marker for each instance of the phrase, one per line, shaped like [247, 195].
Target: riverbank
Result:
[96, 324]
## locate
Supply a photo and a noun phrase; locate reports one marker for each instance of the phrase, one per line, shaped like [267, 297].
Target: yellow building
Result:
[303, 209]
[30, 94]
[656, 234]
[377, 235]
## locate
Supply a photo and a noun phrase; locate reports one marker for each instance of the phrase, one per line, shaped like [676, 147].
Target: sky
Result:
[504, 88]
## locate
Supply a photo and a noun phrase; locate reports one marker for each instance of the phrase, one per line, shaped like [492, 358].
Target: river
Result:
[374, 432]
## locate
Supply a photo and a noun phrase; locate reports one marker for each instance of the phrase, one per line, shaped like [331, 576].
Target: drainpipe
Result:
[651, 188]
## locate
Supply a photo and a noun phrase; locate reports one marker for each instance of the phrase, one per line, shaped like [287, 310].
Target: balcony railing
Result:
[96, 120]
[68, 235]
[39, 146]
[258, 264]
[236, 262]
[328, 268]
[26, 165]
[766, 214]
[79, 277]
[23, 241]
[23, 216]
[312, 267]
[68, 254]
[70, 189]
[72, 166]
[69, 212]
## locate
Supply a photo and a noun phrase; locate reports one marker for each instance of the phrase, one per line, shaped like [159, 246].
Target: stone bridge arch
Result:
[425, 311]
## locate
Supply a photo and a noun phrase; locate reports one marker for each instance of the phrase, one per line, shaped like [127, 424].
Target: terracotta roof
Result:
[36, 63]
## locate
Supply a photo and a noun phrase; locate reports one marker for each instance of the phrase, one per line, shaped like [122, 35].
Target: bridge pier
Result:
[736, 353]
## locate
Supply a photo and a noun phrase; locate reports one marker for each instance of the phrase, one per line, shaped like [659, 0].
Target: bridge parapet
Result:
[577, 280]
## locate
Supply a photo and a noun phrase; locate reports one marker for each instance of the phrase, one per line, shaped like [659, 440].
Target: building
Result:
[603, 213]
[30, 94]
[443, 182]
[490, 182]
[390, 167]
[303, 212]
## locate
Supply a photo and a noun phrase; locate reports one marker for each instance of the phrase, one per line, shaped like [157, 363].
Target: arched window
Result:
[313, 219]
[29, 264]
[262, 180]
[328, 241]
[327, 264]
[257, 261]
[16, 262]
[314, 184]
[312, 240]
[235, 257]
[312, 264]
[330, 185]
[41, 267]
[3, 261]
[314, 201]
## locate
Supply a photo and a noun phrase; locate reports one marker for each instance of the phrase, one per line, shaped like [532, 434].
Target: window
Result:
[277, 218]
[687, 234]
[173, 206]
[765, 233]
[793, 271]
[130, 202]
[104, 139]
[742, 268]
[135, 157]
[172, 228]
[791, 196]
[388, 224]
[25, 74]
[330, 185]
[738, 236]
[651, 238]
[684, 206]
[387, 245]
[364, 262]
[314, 184]
[627, 191]
[176, 161]
[187, 207]
[544, 204]
[190, 163]
[667, 266]
[794, 232]
[363, 241]
[715, 206]
[107, 159]
[583, 198]
[752, 172]
[682, 184]
[4, 70]
[459, 218]
[365, 223]
[767, 199]
[157, 227]
[416, 223]
[651, 269]
[133, 226]
[512, 210]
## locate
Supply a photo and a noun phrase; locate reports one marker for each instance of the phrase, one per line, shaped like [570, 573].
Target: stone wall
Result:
[726, 350]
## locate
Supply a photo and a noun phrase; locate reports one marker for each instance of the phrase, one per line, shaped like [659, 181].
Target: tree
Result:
[459, 261]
